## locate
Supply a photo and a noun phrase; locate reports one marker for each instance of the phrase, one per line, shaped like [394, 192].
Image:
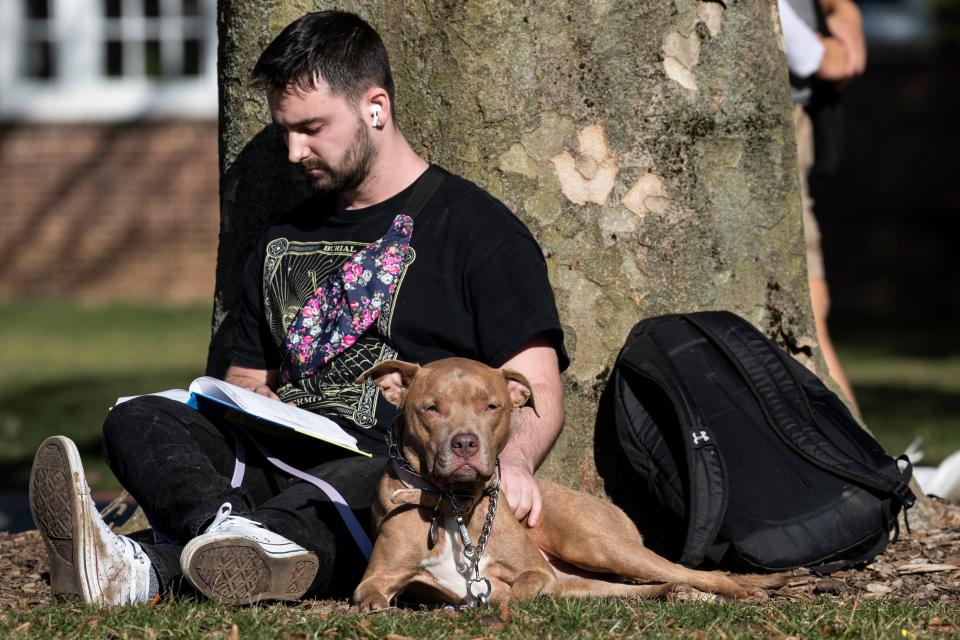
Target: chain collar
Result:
[479, 587]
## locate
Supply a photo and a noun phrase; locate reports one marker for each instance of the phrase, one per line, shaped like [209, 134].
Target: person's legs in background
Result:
[819, 291]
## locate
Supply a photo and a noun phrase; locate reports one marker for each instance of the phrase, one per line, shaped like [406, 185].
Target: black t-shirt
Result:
[474, 285]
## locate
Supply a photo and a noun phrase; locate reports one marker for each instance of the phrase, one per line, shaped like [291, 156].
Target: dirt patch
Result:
[23, 571]
[920, 568]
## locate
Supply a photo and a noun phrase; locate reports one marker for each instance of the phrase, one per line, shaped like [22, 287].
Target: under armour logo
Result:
[701, 437]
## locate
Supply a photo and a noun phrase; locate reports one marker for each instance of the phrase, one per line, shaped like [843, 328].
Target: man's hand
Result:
[846, 25]
[521, 490]
[260, 381]
[835, 65]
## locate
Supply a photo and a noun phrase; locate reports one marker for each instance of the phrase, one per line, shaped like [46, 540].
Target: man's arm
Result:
[811, 54]
[261, 381]
[531, 437]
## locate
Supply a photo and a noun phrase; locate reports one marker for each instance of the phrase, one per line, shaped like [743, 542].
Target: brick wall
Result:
[108, 212]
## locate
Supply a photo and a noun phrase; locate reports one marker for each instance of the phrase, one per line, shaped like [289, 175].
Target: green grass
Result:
[63, 366]
[906, 376]
[543, 618]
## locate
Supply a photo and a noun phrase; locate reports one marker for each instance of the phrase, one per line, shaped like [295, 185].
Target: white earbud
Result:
[375, 110]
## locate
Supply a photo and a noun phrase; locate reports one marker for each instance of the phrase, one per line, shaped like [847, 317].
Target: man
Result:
[344, 281]
[834, 59]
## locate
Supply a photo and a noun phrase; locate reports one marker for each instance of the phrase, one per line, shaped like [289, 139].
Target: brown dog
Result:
[436, 536]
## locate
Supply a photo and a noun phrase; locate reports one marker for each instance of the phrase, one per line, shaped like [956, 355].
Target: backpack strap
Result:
[425, 187]
[707, 476]
[767, 370]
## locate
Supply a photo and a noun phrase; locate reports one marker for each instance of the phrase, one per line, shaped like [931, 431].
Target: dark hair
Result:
[336, 46]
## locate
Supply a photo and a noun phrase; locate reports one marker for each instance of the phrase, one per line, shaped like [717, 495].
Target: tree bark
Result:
[648, 145]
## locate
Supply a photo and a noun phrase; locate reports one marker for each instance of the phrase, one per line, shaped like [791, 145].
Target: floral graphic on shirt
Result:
[346, 303]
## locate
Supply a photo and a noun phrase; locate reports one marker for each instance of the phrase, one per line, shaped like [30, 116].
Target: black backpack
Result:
[728, 453]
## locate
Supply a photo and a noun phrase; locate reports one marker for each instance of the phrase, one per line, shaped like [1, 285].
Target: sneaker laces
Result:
[136, 586]
[224, 521]
[122, 544]
[128, 547]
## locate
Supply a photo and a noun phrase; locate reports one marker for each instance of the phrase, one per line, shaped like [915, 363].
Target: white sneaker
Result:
[238, 560]
[88, 563]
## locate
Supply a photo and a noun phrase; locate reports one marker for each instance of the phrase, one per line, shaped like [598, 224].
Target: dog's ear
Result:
[521, 393]
[393, 377]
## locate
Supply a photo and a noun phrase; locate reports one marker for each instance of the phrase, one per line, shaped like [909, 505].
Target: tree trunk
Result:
[648, 146]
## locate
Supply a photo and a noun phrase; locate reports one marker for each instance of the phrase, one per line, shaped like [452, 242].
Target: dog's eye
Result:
[492, 407]
[431, 409]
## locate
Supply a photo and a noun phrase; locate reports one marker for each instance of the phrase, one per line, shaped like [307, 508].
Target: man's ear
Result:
[393, 377]
[376, 96]
[521, 393]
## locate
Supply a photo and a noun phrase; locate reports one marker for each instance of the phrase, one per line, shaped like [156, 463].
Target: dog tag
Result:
[480, 589]
[435, 530]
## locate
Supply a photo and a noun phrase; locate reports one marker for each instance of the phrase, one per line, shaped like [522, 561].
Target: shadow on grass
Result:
[72, 407]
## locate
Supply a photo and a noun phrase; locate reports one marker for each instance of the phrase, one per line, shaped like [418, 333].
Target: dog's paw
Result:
[755, 586]
[686, 593]
[755, 595]
[369, 599]
[373, 603]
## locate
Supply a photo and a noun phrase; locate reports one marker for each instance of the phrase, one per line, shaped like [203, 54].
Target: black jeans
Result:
[177, 464]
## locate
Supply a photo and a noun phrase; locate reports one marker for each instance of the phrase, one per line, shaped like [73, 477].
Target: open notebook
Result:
[221, 399]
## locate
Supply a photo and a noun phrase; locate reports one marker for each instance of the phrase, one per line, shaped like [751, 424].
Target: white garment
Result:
[803, 47]
[942, 481]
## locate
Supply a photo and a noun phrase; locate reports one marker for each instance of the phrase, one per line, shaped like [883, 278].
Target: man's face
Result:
[325, 136]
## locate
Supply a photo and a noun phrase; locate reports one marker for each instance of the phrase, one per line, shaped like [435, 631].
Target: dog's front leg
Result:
[387, 574]
[376, 592]
[378, 587]
[533, 583]
[525, 585]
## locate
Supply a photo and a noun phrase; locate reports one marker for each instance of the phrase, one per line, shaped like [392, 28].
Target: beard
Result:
[353, 169]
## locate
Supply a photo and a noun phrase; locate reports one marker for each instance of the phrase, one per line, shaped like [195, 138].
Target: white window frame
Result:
[80, 89]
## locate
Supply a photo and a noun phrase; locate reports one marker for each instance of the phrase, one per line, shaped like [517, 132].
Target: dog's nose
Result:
[464, 445]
